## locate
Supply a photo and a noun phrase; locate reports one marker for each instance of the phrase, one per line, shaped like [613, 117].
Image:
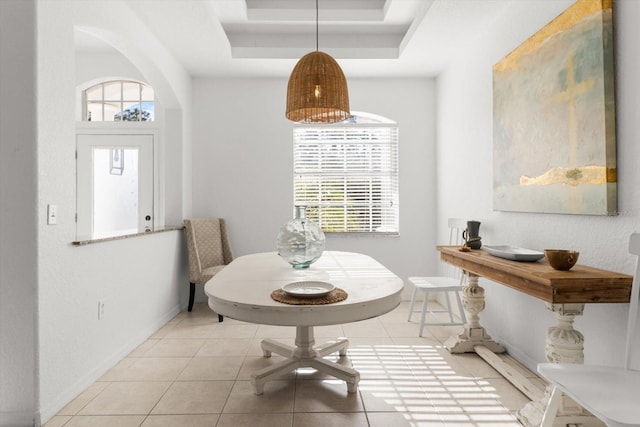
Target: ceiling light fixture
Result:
[317, 90]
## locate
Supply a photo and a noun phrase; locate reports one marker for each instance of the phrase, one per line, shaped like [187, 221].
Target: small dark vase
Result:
[471, 235]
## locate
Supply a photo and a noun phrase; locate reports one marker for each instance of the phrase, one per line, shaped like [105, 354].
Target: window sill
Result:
[362, 233]
[126, 236]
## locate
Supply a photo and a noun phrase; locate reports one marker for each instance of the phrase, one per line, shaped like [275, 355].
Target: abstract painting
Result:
[554, 117]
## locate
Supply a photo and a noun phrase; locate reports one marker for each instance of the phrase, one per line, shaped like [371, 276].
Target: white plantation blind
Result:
[347, 176]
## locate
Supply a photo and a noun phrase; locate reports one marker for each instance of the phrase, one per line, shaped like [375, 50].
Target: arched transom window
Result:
[119, 101]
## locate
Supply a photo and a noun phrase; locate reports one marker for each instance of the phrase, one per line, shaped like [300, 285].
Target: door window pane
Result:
[115, 191]
[115, 181]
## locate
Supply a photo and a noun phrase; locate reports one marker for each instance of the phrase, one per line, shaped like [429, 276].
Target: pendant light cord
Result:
[316, 25]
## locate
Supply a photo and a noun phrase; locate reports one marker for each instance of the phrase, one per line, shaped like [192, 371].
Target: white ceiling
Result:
[254, 38]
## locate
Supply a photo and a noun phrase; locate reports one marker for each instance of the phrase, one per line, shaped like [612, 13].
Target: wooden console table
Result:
[564, 293]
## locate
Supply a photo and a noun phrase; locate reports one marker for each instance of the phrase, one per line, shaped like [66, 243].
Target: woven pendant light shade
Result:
[317, 90]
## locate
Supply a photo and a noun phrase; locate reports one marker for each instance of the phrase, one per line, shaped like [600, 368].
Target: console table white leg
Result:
[564, 344]
[473, 334]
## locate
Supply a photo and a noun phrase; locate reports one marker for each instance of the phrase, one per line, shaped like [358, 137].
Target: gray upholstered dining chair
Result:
[209, 251]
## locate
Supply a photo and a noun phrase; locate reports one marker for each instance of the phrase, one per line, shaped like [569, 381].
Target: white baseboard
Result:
[88, 379]
[514, 352]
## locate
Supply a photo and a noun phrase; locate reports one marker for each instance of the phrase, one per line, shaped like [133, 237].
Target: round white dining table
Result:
[242, 291]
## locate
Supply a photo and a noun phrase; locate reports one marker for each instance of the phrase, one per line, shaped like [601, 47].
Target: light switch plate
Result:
[52, 214]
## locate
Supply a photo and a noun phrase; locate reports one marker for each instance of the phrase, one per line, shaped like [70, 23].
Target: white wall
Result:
[242, 164]
[18, 245]
[142, 280]
[465, 177]
[98, 65]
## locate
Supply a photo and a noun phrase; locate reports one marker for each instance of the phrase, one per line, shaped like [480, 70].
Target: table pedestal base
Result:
[304, 355]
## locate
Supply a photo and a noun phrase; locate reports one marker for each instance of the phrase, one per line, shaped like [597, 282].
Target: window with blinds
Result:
[347, 176]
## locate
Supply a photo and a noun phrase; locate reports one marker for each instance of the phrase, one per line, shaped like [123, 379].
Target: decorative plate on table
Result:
[308, 289]
[514, 253]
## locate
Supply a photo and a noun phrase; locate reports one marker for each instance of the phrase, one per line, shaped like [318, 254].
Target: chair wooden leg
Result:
[192, 294]
[220, 318]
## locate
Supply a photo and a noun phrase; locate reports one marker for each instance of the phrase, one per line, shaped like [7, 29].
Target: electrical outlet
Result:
[100, 309]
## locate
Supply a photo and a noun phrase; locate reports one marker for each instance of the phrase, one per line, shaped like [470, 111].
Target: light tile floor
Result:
[195, 372]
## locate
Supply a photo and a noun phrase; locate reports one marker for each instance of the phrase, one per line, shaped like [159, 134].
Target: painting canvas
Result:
[554, 117]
